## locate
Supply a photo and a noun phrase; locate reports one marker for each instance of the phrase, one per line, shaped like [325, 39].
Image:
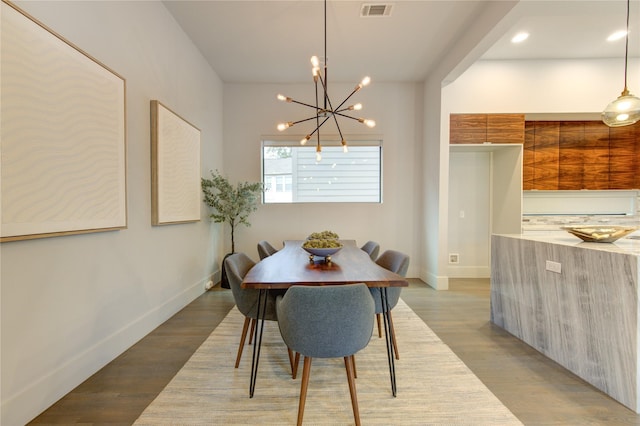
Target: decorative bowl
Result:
[600, 234]
[322, 252]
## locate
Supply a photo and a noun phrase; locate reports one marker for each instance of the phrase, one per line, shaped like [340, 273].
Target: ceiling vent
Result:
[375, 10]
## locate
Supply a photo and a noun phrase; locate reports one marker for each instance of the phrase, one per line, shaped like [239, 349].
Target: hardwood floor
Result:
[537, 390]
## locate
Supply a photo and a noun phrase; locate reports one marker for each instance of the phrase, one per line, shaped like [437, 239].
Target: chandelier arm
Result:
[338, 126]
[302, 121]
[324, 88]
[317, 112]
[318, 127]
[304, 104]
[347, 116]
[348, 97]
[327, 99]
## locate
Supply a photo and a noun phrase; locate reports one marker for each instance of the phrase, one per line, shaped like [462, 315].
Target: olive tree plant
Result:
[230, 204]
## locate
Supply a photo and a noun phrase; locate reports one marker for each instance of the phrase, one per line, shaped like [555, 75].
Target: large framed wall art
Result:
[175, 168]
[62, 137]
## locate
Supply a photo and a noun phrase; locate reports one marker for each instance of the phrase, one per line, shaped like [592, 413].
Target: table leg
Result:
[388, 330]
[257, 339]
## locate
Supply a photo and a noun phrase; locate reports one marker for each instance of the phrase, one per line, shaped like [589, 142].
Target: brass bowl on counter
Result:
[600, 234]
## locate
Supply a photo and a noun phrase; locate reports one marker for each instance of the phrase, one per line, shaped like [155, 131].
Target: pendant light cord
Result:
[626, 52]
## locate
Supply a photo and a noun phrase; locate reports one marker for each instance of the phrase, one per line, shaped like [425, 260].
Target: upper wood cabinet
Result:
[574, 155]
[560, 155]
[481, 128]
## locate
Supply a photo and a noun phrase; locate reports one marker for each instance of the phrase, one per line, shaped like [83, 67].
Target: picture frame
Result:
[63, 135]
[175, 168]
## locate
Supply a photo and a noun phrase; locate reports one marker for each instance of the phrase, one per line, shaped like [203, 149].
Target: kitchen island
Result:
[575, 302]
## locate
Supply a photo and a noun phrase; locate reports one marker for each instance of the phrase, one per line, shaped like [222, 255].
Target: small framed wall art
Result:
[175, 168]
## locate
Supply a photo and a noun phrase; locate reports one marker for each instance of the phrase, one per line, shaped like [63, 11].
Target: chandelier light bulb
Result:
[304, 140]
[367, 122]
[345, 149]
[283, 98]
[284, 126]
[365, 81]
[315, 62]
[357, 107]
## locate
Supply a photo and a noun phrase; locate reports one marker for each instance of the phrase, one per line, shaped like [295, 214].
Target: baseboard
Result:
[469, 271]
[435, 281]
[44, 392]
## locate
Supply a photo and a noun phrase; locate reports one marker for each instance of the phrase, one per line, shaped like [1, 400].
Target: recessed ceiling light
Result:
[617, 35]
[520, 37]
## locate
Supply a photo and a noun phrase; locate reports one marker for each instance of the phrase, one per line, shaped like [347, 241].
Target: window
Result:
[291, 174]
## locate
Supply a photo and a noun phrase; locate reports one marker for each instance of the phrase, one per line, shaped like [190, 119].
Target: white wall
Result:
[481, 32]
[252, 111]
[578, 88]
[549, 86]
[72, 304]
[469, 215]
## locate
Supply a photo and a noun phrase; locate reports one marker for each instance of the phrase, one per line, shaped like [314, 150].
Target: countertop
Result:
[626, 245]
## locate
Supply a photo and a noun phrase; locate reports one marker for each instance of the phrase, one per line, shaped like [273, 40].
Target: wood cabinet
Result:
[596, 159]
[481, 128]
[467, 128]
[560, 155]
[528, 176]
[546, 155]
[574, 155]
[623, 157]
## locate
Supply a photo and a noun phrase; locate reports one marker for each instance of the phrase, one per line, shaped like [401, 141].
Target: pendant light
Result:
[326, 111]
[625, 110]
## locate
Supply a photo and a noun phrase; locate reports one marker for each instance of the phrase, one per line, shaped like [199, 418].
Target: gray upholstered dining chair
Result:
[372, 249]
[265, 249]
[237, 266]
[326, 322]
[397, 262]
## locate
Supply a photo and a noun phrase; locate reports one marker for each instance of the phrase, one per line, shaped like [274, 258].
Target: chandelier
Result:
[625, 110]
[324, 110]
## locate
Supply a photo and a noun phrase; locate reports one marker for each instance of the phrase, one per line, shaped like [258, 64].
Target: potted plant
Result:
[230, 205]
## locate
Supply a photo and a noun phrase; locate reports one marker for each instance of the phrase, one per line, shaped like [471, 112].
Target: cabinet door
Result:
[623, 158]
[528, 156]
[505, 128]
[570, 158]
[467, 128]
[595, 155]
[546, 155]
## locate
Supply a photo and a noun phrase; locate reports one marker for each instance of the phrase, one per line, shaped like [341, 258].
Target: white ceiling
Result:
[271, 41]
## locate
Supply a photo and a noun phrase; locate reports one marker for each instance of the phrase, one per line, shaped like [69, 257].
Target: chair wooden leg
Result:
[303, 387]
[353, 360]
[290, 353]
[253, 327]
[245, 327]
[378, 316]
[348, 363]
[294, 370]
[393, 336]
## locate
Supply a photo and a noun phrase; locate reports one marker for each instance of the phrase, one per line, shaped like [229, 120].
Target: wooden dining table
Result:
[292, 265]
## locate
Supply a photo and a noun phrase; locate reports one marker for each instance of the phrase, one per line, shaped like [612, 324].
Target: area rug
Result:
[434, 386]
